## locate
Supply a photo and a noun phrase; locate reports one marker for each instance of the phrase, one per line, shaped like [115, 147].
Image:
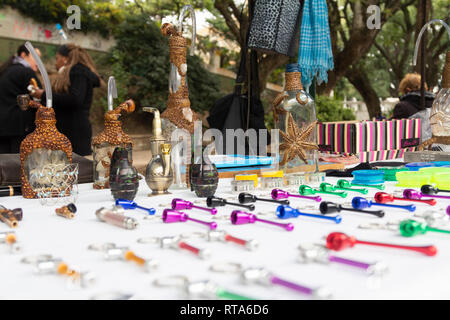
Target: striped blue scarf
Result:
[315, 56]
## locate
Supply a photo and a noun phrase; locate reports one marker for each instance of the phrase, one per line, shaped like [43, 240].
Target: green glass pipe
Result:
[376, 186]
[325, 188]
[224, 294]
[411, 228]
[345, 185]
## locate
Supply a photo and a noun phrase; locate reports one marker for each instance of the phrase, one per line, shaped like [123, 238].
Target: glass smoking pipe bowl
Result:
[362, 203]
[414, 194]
[340, 241]
[278, 194]
[180, 204]
[240, 217]
[213, 202]
[128, 204]
[429, 189]
[249, 198]
[320, 254]
[383, 197]
[286, 212]
[170, 216]
[410, 228]
[327, 207]
[346, 185]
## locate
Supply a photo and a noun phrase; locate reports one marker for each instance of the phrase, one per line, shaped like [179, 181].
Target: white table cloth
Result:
[411, 275]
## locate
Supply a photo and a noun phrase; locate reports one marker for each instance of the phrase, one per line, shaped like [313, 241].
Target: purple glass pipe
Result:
[321, 255]
[263, 276]
[180, 204]
[278, 194]
[170, 216]
[417, 195]
[241, 217]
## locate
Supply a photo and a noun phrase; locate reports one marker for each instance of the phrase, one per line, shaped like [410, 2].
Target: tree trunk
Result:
[358, 78]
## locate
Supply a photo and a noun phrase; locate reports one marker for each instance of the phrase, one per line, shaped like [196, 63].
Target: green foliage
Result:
[100, 16]
[140, 62]
[329, 109]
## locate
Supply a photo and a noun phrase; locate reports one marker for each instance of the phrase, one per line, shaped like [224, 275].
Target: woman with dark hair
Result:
[15, 77]
[73, 89]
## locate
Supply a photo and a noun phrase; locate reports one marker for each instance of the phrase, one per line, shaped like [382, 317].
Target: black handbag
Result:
[275, 26]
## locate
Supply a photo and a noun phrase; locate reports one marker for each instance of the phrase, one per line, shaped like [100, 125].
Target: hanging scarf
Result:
[315, 56]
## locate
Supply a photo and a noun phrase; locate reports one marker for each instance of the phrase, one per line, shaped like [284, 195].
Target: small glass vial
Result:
[294, 180]
[315, 178]
[238, 186]
[271, 183]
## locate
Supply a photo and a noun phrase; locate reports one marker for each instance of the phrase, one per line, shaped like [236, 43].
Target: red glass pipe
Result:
[383, 197]
[338, 241]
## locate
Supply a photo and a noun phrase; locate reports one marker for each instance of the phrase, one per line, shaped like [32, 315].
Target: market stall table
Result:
[411, 275]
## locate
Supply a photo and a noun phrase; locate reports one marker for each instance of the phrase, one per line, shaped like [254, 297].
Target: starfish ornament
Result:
[294, 141]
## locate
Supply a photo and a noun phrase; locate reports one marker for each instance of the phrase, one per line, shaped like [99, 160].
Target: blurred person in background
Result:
[409, 104]
[16, 75]
[73, 89]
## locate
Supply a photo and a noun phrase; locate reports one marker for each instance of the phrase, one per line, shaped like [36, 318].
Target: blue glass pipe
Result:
[128, 204]
[361, 203]
[286, 212]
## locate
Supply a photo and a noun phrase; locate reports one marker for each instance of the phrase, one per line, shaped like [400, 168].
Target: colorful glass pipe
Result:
[278, 194]
[178, 244]
[410, 228]
[324, 188]
[129, 204]
[221, 235]
[383, 197]
[376, 186]
[361, 203]
[286, 212]
[316, 253]
[339, 241]
[113, 252]
[47, 264]
[199, 289]
[414, 194]
[248, 198]
[263, 276]
[208, 290]
[170, 216]
[327, 207]
[241, 217]
[429, 189]
[220, 202]
[345, 185]
[180, 204]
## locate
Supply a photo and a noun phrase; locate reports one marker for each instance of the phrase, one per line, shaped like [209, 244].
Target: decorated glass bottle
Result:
[112, 136]
[123, 177]
[440, 111]
[295, 117]
[45, 148]
[178, 114]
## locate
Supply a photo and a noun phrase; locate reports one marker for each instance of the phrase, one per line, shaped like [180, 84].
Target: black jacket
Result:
[410, 104]
[13, 82]
[72, 109]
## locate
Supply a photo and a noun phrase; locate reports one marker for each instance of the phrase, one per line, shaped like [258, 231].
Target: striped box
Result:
[370, 140]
